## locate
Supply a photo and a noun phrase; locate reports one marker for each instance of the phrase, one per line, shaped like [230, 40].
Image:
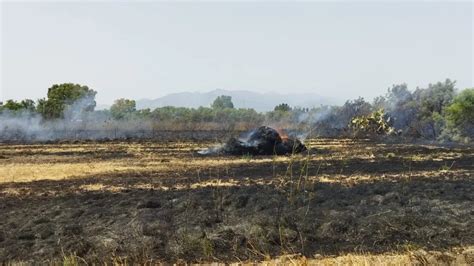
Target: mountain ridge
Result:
[241, 98]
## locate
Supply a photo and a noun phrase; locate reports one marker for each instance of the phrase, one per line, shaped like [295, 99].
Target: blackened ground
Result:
[167, 204]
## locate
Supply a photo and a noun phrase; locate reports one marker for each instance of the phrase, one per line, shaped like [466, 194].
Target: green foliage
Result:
[374, 123]
[205, 114]
[14, 106]
[462, 109]
[430, 105]
[421, 113]
[282, 114]
[279, 116]
[143, 113]
[63, 95]
[171, 113]
[122, 108]
[222, 102]
[282, 107]
[460, 114]
[436, 97]
[434, 112]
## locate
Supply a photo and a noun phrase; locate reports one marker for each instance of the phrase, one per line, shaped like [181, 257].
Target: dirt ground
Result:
[157, 201]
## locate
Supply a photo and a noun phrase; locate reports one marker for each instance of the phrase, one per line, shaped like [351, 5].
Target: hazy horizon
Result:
[150, 49]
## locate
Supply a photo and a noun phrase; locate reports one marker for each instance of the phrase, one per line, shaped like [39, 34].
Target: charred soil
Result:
[143, 201]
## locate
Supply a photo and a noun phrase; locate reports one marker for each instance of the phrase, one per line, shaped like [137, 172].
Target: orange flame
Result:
[282, 133]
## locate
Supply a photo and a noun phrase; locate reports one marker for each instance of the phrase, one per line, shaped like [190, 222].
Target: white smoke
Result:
[22, 125]
[78, 122]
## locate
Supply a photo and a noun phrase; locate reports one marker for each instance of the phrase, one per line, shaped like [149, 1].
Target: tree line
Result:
[438, 112]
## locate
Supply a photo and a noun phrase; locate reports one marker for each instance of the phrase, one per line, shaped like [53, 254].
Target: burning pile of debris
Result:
[260, 141]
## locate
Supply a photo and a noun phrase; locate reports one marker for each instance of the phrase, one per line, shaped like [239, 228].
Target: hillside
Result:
[241, 99]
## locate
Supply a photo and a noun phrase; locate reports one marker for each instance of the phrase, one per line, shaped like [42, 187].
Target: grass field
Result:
[345, 201]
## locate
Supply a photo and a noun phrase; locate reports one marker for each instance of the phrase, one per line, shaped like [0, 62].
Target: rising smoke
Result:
[76, 124]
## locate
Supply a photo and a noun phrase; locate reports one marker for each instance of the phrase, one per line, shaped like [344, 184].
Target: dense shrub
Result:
[460, 116]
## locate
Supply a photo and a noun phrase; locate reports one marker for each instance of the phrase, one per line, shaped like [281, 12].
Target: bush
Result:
[460, 115]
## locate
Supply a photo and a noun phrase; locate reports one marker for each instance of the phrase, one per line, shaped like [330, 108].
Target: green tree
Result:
[24, 105]
[222, 102]
[430, 105]
[460, 114]
[60, 96]
[122, 108]
[282, 107]
[436, 97]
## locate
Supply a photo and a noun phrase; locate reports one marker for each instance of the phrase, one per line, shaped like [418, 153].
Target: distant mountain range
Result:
[241, 99]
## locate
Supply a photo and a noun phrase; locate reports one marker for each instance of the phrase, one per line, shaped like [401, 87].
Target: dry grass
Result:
[114, 178]
[419, 257]
[25, 163]
[350, 259]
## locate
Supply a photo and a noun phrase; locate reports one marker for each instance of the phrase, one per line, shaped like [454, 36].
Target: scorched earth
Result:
[160, 201]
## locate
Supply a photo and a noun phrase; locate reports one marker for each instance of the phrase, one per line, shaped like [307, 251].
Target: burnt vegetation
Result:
[260, 141]
[161, 203]
[128, 186]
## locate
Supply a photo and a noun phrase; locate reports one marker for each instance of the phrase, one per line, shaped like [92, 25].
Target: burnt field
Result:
[161, 201]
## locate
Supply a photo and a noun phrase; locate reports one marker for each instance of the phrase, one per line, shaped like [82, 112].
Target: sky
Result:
[149, 49]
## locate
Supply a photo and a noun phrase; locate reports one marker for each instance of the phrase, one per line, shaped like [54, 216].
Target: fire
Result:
[282, 133]
[263, 140]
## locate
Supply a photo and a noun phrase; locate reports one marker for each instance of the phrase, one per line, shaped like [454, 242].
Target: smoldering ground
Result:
[143, 201]
[263, 140]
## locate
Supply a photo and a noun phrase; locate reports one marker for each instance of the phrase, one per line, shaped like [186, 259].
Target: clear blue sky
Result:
[149, 49]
